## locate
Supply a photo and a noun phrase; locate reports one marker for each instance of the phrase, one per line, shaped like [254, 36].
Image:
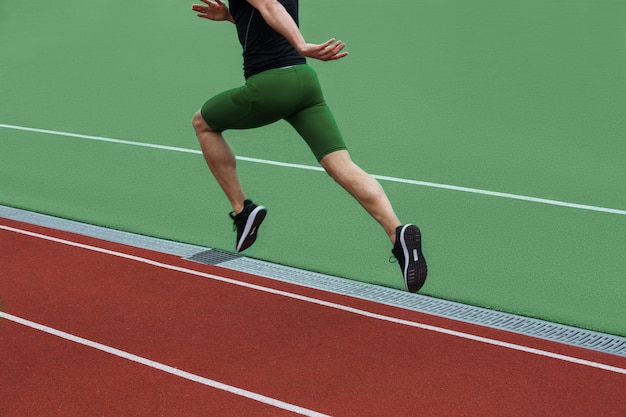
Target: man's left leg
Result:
[406, 239]
[365, 189]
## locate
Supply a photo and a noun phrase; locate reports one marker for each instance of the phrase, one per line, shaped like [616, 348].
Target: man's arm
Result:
[281, 21]
[213, 11]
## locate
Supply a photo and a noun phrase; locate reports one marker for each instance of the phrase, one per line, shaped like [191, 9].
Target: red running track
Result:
[94, 328]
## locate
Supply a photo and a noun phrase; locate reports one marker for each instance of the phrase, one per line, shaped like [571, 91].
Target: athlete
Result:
[280, 85]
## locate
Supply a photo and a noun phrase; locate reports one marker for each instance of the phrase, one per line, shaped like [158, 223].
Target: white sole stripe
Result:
[336, 306]
[315, 168]
[405, 251]
[249, 228]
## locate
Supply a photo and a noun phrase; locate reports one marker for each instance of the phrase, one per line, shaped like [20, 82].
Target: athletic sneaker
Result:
[247, 224]
[408, 252]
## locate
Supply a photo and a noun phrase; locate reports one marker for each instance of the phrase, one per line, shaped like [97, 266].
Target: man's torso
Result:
[263, 47]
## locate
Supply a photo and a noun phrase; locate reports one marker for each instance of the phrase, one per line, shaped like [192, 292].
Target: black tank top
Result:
[263, 47]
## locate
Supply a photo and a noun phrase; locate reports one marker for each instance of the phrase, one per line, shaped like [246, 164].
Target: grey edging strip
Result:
[570, 335]
[111, 235]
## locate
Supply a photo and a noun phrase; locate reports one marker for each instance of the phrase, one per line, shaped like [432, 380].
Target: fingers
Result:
[327, 51]
[212, 10]
[209, 4]
[204, 11]
[200, 9]
[331, 50]
[328, 42]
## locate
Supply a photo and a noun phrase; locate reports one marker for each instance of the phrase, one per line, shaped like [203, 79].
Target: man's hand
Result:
[327, 51]
[214, 10]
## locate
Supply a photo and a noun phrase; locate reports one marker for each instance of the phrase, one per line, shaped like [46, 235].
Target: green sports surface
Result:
[496, 126]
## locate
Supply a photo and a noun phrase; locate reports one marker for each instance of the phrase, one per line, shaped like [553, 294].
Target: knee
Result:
[338, 166]
[337, 173]
[199, 124]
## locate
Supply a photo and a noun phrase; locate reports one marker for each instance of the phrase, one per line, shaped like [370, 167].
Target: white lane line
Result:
[336, 306]
[316, 168]
[161, 367]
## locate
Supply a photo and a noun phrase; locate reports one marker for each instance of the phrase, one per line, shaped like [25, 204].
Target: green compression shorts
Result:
[293, 94]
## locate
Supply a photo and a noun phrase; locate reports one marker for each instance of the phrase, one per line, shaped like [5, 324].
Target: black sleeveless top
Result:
[263, 47]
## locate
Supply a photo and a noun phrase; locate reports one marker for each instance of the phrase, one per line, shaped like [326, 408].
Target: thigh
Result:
[235, 109]
[265, 98]
[317, 126]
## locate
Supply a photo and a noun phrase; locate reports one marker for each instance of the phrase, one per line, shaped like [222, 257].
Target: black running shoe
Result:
[247, 224]
[408, 252]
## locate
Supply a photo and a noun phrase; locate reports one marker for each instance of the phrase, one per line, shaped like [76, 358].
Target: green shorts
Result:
[293, 94]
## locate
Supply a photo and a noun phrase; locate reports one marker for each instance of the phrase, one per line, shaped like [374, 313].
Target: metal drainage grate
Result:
[556, 332]
[212, 257]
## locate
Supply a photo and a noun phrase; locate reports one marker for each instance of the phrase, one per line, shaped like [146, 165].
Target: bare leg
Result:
[221, 161]
[365, 189]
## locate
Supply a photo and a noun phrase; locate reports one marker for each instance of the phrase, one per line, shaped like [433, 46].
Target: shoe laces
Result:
[235, 219]
[238, 218]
